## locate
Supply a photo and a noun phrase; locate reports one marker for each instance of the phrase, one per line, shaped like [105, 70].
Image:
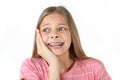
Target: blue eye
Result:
[62, 29]
[46, 30]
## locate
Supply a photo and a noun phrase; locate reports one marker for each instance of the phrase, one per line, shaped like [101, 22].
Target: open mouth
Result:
[53, 44]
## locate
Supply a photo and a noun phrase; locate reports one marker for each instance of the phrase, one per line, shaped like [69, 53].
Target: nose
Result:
[54, 36]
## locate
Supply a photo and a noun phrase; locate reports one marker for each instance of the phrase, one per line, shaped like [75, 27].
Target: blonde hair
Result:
[75, 50]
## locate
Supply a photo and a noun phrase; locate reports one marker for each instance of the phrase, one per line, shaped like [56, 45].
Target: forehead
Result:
[53, 18]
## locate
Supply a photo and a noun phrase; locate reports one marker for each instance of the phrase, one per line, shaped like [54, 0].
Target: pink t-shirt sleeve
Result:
[28, 71]
[100, 71]
[34, 69]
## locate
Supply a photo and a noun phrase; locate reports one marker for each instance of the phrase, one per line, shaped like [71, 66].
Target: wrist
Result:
[54, 70]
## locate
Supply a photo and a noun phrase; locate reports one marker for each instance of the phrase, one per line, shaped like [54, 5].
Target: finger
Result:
[39, 38]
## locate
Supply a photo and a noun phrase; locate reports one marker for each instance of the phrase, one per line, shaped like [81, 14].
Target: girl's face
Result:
[55, 34]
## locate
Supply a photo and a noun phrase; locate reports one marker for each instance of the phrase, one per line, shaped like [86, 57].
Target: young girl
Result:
[57, 53]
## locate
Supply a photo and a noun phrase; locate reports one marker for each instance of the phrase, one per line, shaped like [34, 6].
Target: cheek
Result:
[67, 37]
[44, 38]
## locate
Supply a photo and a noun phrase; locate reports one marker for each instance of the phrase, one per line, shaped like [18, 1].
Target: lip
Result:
[55, 44]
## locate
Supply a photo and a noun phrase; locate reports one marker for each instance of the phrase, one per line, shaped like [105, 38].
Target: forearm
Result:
[54, 73]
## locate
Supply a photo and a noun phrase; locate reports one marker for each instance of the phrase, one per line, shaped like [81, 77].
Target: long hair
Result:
[75, 50]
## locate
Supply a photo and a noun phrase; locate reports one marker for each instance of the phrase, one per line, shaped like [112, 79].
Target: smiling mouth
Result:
[55, 44]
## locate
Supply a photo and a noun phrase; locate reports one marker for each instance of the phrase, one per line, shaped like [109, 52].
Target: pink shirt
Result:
[89, 69]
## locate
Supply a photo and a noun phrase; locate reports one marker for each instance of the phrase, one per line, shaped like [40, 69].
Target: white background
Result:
[98, 22]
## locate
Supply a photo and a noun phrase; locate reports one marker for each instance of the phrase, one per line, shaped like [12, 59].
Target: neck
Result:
[65, 63]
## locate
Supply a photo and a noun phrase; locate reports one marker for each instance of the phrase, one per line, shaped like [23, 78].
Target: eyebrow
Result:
[45, 24]
[49, 24]
[62, 24]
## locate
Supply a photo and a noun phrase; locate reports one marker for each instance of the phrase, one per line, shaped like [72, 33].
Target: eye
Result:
[62, 29]
[46, 30]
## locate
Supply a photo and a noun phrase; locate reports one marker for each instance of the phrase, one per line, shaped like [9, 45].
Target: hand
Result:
[43, 50]
[45, 53]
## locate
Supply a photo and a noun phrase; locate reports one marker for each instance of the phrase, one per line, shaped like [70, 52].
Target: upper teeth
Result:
[56, 44]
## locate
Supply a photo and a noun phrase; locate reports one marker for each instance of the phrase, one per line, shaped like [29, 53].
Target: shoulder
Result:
[96, 67]
[33, 69]
[93, 66]
[33, 62]
[91, 62]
